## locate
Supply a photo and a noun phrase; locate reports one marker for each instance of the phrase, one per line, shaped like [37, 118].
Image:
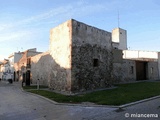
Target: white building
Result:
[14, 58]
[135, 64]
[119, 39]
[5, 69]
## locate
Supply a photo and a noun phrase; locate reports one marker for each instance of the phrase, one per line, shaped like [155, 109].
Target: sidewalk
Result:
[17, 105]
[4, 83]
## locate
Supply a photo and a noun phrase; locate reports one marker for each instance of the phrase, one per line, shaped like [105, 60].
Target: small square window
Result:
[95, 62]
[131, 70]
[151, 70]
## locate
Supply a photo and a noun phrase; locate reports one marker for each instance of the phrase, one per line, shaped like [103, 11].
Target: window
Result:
[78, 24]
[151, 70]
[131, 70]
[28, 61]
[95, 63]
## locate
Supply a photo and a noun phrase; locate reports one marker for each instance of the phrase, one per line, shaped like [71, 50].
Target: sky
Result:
[26, 24]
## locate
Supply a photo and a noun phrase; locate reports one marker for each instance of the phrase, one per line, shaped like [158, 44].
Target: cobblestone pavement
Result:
[18, 105]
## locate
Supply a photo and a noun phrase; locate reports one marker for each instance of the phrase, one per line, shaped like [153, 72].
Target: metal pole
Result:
[38, 84]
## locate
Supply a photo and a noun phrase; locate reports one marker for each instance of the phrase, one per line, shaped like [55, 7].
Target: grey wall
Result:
[90, 43]
[124, 72]
[81, 58]
[154, 73]
[60, 50]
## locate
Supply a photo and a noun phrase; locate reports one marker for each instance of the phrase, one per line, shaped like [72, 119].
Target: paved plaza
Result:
[16, 104]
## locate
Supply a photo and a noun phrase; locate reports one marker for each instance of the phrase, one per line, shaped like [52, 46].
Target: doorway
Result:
[141, 70]
[28, 78]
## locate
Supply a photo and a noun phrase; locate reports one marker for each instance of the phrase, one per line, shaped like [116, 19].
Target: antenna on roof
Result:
[118, 18]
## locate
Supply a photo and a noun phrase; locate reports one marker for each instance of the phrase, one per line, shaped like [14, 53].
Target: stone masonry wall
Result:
[124, 72]
[40, 68]
[153, 73]
[60, 51]
[49, 73]
[80, 58]
[129, 70]
[91, 57]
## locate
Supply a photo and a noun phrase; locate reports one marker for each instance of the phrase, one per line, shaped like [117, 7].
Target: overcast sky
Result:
[26, 24]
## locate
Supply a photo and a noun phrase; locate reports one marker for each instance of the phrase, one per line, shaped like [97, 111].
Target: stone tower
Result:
[119, 38]
[82, 57]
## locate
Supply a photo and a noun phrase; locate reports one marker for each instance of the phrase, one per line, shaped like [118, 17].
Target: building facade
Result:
[91, 61]
[13, 60]
[5, 69]
[23, 66]
[83, 57]
[79, 59]
[41, 66]
[134, 64]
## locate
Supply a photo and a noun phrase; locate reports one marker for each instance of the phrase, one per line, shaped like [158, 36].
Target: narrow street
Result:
[18, 105]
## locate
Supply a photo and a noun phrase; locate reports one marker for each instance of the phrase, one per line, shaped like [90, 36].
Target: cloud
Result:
[35, 28]
[14, 36]
[5, 26]
[26, 27]
[70, 10]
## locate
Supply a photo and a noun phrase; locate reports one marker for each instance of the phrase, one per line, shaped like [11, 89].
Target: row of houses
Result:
[17, 64]
[82, 57]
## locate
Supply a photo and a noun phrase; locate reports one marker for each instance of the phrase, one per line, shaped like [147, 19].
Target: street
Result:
[16, 104]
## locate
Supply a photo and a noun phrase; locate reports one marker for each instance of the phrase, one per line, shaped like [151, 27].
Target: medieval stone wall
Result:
[153, 73]
[124, 72]
[91, 57]
[49, 73]
[60, 51]
[40, 68]
[81, 58]
[129, 70]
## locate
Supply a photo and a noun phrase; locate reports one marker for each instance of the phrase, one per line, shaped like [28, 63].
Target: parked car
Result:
[10, 81]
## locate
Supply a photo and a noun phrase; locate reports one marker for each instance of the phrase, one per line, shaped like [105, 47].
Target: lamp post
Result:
[38, 84]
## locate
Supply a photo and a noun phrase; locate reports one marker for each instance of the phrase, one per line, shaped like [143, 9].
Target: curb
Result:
[137, 102]
[68, 104]
[87, 105]
[54, 102]
[93, 105]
